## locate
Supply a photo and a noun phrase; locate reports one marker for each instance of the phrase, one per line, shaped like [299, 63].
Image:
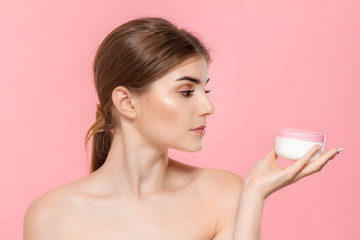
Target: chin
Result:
[190, 148]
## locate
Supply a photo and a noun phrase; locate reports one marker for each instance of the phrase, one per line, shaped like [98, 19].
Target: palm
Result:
[267, 176]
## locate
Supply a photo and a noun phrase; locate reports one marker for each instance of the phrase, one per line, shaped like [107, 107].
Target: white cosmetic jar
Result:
[292, 144]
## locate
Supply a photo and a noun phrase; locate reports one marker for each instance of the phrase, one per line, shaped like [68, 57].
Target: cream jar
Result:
[292, 144]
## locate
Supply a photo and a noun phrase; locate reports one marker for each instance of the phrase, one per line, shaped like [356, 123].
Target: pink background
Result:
[276, 64]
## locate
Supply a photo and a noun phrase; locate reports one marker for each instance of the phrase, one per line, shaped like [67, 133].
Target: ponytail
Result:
[102, 138]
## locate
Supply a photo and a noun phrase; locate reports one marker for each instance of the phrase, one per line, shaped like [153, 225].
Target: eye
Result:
[188, 92]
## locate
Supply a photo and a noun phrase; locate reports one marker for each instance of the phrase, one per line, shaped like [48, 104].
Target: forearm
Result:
[248, 223]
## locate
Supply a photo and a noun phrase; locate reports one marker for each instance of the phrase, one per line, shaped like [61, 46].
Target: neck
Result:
[133, 167]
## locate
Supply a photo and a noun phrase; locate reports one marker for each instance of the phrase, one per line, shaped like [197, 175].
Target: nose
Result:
[207, 108]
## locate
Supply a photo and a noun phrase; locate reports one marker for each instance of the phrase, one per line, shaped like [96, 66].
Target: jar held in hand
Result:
[292, 144]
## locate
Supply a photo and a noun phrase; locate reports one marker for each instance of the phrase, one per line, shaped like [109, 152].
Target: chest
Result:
[186, 217]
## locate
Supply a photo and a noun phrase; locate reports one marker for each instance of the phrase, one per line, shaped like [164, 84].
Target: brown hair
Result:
[134, 55]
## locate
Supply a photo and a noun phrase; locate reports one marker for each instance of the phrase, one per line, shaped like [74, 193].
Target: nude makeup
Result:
[199, 130]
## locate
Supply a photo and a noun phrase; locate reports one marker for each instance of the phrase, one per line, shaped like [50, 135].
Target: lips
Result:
[202, 127]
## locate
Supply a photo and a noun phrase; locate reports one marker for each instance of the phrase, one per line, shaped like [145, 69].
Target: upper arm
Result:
[228, 199]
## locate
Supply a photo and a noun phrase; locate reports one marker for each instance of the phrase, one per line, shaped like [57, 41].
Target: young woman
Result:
[151, 80]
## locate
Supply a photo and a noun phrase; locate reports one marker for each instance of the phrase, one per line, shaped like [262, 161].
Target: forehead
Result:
[194, 68]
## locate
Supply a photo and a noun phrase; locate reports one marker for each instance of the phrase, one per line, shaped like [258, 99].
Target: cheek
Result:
[164, 111]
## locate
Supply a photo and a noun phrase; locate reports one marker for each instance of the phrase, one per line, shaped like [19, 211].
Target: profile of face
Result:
[175, 104]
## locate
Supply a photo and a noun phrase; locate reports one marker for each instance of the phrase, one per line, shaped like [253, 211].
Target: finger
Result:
[294, 169]
[317, 165]
[271, 155]
[337, 152]
[270, 159]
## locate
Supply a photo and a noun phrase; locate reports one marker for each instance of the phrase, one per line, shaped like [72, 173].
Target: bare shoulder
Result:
[224, 189]
[221, 181]
[207, 178]
[46, 214]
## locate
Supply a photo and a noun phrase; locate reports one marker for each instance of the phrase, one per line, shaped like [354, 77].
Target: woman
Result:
[150, 78]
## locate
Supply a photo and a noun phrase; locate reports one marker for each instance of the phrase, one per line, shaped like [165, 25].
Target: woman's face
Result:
[174, 105]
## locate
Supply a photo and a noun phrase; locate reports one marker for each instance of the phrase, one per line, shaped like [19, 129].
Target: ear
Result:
[124, 101]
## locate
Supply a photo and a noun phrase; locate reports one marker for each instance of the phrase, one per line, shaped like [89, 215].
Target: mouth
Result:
[200, 130]
[202, 127]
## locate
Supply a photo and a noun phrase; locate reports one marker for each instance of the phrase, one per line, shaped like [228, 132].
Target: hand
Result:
[266, 176]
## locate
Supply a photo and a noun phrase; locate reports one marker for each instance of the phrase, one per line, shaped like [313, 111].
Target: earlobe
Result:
[123, 102]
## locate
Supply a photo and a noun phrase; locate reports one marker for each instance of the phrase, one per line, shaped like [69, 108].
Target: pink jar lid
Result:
[300, 134]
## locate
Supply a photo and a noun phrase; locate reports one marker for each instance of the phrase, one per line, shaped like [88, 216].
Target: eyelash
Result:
[191, 91]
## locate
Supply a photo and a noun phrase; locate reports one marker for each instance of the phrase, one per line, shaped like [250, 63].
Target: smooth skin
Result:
[141, 193]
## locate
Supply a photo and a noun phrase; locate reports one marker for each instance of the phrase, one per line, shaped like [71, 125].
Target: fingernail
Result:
[338, 151]
[319, 147]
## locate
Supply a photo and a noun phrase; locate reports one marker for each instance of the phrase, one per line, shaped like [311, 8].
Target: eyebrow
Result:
[191, 79]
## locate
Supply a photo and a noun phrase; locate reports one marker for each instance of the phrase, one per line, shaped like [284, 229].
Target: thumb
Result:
[271, 155]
